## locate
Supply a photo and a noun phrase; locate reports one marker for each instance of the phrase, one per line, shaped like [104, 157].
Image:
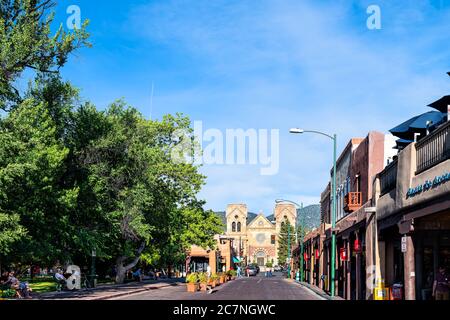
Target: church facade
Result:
[256, 240]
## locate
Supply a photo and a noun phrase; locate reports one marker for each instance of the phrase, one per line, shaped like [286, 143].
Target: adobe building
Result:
[356, 169]
[412, 197]
[244, 240]
[256, 241]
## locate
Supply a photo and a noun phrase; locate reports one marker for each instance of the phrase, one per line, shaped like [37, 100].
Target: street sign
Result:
[404, 244]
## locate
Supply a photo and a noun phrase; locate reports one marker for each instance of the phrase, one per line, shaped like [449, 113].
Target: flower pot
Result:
[203, 286]
[222, 280]
[218, 282]
[192, 287]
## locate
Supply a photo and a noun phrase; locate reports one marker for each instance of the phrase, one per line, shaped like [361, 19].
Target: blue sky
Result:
[267, 65]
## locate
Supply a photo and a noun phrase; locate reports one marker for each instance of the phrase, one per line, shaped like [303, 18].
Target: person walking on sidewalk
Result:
[441, 286]
[208, 283]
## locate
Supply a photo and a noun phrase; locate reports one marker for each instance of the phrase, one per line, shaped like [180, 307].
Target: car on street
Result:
[278, 269]
[251, 271]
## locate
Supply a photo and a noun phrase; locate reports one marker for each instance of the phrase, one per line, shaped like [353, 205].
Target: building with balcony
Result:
[412, 198]
[356, 169]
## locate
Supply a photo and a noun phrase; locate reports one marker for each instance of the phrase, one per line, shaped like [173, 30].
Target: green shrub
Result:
[192, 278]
[215, 277]
[8, 294]
[232, 273]
[203, 277]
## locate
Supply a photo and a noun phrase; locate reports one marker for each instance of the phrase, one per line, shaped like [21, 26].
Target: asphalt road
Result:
[252, 288]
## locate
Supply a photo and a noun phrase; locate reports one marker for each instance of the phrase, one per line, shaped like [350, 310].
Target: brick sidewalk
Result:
[109, 291]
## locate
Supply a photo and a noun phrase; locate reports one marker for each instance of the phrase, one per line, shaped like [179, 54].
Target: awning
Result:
[236, 260]
[441, 104]
[417, 124]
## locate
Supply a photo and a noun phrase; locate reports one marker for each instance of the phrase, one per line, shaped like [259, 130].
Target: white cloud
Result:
[285, 64]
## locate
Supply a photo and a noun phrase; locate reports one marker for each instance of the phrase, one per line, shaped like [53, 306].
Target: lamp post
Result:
[333, 215]
[94, 254]
[302, 234]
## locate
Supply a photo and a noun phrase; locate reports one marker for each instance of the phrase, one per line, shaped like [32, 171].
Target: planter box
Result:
[192, 287]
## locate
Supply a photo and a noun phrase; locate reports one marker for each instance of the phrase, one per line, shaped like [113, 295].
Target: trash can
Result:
[397, 292]
[381, 292]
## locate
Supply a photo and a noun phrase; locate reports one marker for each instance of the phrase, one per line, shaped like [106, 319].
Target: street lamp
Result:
[333, 215]
[301, 240]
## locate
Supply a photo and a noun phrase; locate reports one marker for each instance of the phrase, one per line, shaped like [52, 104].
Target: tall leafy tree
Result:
[283, 240]
[27, 42]
[31, 170]
[148, 200]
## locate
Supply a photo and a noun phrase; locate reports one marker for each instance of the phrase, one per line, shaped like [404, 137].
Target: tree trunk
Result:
[122, 269]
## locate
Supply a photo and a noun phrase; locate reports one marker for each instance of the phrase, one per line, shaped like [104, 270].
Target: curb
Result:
[148, 287]
[322, 294]
[117, 295]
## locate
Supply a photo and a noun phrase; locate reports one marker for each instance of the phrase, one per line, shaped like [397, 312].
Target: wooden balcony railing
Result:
[352, 201]
[434, 148]
[388, 177]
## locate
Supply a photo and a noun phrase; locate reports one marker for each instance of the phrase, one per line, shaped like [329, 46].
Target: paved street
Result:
[253, 288]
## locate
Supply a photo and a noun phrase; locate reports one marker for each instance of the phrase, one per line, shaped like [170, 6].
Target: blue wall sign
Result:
[437, 181]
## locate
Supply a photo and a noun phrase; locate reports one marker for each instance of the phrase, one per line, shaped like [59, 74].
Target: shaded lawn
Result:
[44, 286]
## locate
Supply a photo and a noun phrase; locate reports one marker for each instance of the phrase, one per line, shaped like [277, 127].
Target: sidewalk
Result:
[104, 292]
[317, 290]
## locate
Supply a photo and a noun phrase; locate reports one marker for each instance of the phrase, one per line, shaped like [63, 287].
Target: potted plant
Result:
[192, 282]
[233, 274]
[222, 278]
[215, 280]
[203, 279]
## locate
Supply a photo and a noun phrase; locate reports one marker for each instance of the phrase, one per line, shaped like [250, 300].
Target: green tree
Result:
[10, 231]
[26, 42]
[148, 201]
[283, 239]
[32, 168]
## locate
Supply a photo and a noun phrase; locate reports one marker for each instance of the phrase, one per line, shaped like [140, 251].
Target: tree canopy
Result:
[74, 178]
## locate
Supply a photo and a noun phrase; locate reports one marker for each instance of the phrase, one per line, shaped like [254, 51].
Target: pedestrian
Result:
[441, 285]
[60, 280]
[239, 271]
[208, 283]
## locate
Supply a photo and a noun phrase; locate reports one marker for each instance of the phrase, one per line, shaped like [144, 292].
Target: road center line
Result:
[259, 280]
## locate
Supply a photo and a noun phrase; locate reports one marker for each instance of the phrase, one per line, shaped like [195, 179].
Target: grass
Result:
[44, 286]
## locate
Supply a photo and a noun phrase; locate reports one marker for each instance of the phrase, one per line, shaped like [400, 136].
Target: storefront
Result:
[413, 217]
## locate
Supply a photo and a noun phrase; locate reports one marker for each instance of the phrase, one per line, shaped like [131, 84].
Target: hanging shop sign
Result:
[357, 246]
[305, 256]
[344, 254]
[428, 185]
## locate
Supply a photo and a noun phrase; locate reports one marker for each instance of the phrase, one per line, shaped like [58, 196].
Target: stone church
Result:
[256, 241]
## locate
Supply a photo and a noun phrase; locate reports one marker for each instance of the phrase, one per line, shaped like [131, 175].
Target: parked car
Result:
[251, 271]
[278, 269]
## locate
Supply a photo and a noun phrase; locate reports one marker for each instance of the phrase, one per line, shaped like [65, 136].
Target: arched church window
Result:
[239, 227]
[233, 227]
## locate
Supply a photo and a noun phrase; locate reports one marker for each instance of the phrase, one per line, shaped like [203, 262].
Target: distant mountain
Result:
[311, 215]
